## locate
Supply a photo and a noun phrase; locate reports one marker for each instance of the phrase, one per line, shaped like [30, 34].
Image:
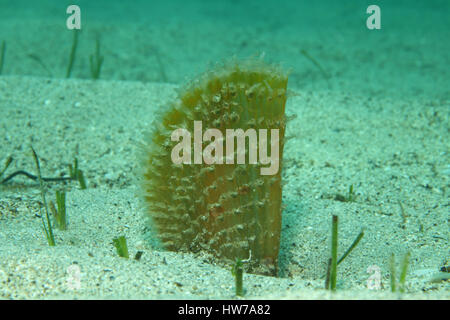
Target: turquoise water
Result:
[167, 41]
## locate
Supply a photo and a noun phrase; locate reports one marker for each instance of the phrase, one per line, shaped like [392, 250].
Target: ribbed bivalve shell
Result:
[228, 210]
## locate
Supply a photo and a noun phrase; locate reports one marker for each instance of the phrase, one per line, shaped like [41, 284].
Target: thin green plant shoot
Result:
[77, 174]
[59, 213]
[48, 230]
[334, 248]
[121, 246]
[73, 52]
[96, 61]
[401, 285]
[333, 262]
[238, 273]
[2, 55]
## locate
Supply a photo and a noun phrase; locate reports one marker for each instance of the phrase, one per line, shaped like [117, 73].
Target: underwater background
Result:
[371, 111]
[167, 41]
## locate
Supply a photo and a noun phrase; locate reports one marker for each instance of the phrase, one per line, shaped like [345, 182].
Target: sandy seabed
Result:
[392, 151]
